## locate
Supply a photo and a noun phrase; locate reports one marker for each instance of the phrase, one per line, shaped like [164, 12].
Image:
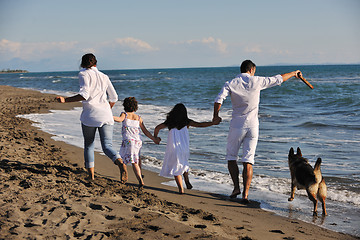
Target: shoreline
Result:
[53, 199]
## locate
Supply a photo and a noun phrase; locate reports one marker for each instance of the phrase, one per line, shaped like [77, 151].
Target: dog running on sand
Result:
[303, 176]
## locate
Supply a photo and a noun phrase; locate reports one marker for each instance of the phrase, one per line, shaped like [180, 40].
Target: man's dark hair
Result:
[88, 60]
[246, 66]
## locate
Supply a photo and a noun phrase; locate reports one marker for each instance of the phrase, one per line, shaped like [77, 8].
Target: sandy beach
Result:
[44, 193]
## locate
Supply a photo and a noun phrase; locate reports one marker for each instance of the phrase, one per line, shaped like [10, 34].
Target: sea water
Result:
[323, 122]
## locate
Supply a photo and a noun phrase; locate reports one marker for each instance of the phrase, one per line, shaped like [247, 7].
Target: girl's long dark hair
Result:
[130, 104]
[177, 117]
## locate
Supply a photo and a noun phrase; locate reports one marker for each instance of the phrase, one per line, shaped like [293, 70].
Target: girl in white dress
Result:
[131, 141]
[177, 148]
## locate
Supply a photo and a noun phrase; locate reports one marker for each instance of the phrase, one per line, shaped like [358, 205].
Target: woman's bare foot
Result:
[123, 170]
[124, 175]
[91, 175]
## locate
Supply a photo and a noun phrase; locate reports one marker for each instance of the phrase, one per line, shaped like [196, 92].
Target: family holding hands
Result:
[98, 96]
[177, 148]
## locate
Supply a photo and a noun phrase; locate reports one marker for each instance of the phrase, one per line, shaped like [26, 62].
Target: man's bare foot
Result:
[245, 201]
[188, 185]
[235, 193]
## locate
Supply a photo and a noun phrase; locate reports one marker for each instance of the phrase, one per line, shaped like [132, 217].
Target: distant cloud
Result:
[129, 45]
[216, 44]
[28, 51]
[284, 52]
[89, 50]
[35, 56]
[253, 49]
[40, 50]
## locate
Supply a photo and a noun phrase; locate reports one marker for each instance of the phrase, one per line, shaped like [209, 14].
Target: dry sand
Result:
[44, 193]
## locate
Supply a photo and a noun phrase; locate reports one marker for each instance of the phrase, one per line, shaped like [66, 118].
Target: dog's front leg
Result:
[293, 188]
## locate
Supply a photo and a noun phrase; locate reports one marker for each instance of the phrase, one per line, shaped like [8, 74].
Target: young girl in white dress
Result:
[131, 141]
[177, 148]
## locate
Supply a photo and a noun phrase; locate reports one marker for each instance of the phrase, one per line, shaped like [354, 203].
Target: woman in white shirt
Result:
[98, 96]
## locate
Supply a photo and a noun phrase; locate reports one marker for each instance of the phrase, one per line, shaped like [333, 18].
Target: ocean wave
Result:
[324, 125]
[62, 77]
[59, 93]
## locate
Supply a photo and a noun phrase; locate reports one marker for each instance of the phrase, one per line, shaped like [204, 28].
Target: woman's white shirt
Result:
[97, 90]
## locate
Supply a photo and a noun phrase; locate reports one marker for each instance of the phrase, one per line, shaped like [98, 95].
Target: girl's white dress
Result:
[131, 141]
[177, 153]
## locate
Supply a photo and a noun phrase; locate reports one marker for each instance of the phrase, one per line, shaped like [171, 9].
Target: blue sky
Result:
[45, 35]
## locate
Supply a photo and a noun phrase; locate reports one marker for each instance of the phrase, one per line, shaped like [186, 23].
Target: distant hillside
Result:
[13, 71]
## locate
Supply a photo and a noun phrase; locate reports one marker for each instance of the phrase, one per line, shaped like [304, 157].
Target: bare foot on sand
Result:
[188, 185]
[124, 174]
[245, 201]
[123, 170]
[235, 193]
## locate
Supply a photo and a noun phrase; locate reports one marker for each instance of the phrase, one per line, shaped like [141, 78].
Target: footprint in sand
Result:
[277, 231]
[202, 226]
[94, 206]
[135, 209]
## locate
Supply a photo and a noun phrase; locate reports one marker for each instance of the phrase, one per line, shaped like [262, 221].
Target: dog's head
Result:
[298, 152]
[295, 157]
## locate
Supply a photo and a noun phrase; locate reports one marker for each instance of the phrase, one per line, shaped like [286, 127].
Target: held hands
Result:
[157, 140]
[216, 120]
[60, 99]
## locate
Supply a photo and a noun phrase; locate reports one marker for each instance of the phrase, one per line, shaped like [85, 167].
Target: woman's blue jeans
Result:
[106, 133]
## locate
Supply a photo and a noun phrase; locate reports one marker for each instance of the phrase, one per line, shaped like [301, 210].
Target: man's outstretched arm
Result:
[287, 76]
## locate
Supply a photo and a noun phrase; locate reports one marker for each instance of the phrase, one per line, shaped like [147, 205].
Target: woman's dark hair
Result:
[246, 66]
[130, 104]
[88, 60]
[177, 117]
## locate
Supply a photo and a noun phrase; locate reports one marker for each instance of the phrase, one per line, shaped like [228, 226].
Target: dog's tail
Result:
[317, 164]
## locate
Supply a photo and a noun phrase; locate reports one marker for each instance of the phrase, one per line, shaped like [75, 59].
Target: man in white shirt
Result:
[244, 91]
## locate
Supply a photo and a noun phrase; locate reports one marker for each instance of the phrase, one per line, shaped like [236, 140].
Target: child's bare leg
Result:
[187, 181]
[178, 180]
[137, 172]
[142, 175]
